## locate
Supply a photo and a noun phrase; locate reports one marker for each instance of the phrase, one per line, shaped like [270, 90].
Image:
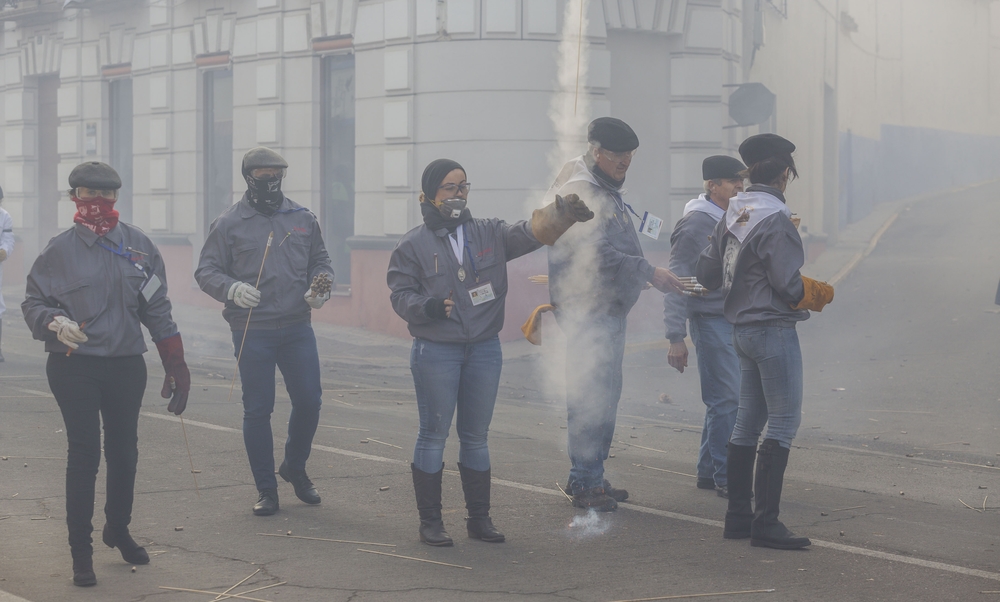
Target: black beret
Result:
[96, 175]
[612, 134]
[764, 146]
[262, 156]
[721, 167]
[435, 173]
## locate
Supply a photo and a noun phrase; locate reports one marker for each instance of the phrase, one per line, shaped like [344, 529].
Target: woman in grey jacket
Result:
[448, 278]
[755, 255]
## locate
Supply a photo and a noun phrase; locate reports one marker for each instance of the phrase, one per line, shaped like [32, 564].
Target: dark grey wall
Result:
[910, 161]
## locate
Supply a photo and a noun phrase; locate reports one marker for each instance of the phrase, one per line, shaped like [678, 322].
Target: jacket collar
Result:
[89, 237]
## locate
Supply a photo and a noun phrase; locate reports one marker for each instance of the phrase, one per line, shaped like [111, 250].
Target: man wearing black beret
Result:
[718, 365]
[6, 248]
[596, 272]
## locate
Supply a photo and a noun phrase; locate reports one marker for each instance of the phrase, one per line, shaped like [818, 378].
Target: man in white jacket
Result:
[6, 248]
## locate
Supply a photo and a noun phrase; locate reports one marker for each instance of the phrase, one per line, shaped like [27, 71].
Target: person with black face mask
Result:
[596, 273]
[448, 278]
[270, 319]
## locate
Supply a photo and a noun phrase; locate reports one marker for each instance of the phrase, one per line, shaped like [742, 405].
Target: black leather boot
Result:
[304, 488]
[267, 502]
[119, 537]
[739, 462]
[83, 571]
[427, 488]
[766, 531]
[476, 485]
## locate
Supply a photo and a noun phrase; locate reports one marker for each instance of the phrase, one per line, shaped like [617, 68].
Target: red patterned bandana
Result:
[98, 214]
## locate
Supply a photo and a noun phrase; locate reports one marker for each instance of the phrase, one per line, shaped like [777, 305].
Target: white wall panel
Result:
[461, 16]
[397, 19]
[501, 16]
[540, 17]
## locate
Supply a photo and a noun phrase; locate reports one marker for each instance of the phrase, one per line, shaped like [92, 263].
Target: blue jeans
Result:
[293, 350]
[771, 383]
[595, 350]
[719, 369]
[450, 376]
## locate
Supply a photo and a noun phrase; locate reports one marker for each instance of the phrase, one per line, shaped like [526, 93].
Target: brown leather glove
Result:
[532, 328]
[817, 295]
[552, 221]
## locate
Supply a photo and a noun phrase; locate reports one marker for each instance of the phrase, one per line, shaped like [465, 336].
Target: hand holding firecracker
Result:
[319, 290]
[692, 288]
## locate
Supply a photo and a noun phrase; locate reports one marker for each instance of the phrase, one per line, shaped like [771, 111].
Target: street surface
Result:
[898, 440]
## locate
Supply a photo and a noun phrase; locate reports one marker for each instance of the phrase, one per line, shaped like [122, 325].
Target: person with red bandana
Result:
[87, 295]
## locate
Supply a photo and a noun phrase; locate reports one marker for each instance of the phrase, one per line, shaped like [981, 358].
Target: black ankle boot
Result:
[766, 530]
[83, 572]
[118, 537]
[427, 488]
[476, 485]
[739, 462]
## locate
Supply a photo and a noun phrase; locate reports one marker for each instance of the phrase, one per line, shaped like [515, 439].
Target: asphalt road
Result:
[899, 433]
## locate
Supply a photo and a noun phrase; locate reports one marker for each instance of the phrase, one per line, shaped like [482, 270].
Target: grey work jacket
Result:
[234, 250]
[597, 266]
[79, 276]
[424, 266]
[689, 238]
[766, 282]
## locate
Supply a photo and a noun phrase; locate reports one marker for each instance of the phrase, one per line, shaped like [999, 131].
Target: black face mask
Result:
[452, 208]
[264, 194]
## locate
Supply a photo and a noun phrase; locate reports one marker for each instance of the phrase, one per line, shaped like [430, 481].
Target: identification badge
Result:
[482, 294]
[650, 225]
[150, 287]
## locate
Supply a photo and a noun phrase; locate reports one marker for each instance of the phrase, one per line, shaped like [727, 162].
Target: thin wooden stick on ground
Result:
[202, 591]
[846, 509]
[384, 443]
[683, 474]
[968, 506]
[242, 581]
[190, 459]
[360, 543]
[457, 566]
[257, 589]
[563, 491]
[683, 596]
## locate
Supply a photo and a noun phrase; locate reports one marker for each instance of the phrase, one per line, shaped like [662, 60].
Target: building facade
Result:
[359, 95]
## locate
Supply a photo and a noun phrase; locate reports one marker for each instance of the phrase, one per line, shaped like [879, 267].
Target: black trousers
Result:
[87, 389]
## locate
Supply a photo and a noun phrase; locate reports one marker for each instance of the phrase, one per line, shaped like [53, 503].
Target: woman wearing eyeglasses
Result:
[88, 294]
[448, 278]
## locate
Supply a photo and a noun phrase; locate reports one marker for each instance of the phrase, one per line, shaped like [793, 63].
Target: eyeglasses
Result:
[453, 188]
[619, 157]
[267, 172]
[91, 193]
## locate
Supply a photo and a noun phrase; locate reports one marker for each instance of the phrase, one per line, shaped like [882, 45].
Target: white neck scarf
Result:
[748, 209]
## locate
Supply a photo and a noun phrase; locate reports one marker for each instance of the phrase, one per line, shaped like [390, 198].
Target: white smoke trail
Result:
[588, 525]
[570, 107]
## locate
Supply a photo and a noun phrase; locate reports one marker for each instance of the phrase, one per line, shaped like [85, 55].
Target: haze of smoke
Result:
[589, 524]
[570, 114]
[570, 108]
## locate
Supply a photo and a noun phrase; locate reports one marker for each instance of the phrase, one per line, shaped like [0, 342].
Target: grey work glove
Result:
[244, 295]
[67, 331]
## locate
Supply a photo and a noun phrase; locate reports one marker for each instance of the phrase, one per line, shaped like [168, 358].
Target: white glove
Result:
[317, 301]
[67, 331]
[244, 295]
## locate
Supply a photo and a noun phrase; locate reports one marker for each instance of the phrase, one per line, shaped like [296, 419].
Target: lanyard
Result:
[121, 252]
[458, 242]
[624, 205]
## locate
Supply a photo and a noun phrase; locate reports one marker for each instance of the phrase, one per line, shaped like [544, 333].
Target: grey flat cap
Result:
[262, 157]
[96, 175]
